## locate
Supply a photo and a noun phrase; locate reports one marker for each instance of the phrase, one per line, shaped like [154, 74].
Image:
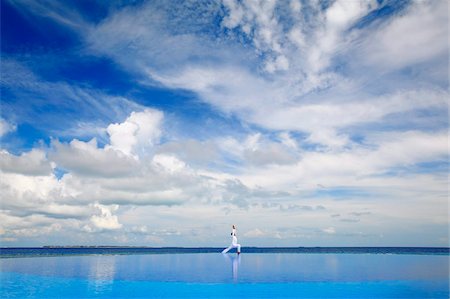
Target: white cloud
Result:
[296, 6]
[343, 113]
[307, 45]
[278, 103]
[255, 233]
[267, 32]
[52, 10]
[33, 232]
[409, 148]
[29, 226]
[305, 50]
[133, 138]
[33, 162]
[138, 132]
[258, 20]
[258, 150]
[329, 36]
[106, 220]
[342, 13]
[194, 151]
[329, 230]
[280, 63]
[418, 35]
[87, 159]
[288, 141]
[358, 166]
[6, 127]
[46, 103]
[168, 163]
[272, 153]
[328, 137]
[235, 15]
[27, 191]
[106, 176]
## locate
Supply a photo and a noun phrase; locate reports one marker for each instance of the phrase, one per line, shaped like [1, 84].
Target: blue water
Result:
[213, 275]
[51, 251]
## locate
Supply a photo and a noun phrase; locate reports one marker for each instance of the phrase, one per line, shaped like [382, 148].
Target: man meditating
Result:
[234, 243]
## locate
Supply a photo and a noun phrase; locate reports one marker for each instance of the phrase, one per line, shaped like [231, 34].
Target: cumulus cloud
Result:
[33, 162]
[194, 151]
[138, 132]
[129, 140]
[168, 163]
[106, 220]
[28, 227]
[19, 185]
[108, 176]
[111, 177]
[87, 159]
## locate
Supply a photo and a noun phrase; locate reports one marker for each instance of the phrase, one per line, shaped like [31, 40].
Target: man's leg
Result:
[238, 248]
[227, 249]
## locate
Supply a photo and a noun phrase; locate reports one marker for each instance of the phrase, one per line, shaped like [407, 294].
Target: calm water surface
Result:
[206, 275]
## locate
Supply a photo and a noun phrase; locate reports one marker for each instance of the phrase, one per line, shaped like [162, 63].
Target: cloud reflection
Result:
[102, 270]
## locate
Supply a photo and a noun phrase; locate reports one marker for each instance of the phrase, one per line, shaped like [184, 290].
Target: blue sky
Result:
[161, 123]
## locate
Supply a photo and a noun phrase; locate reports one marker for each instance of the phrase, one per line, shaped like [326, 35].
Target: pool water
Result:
[213, 275]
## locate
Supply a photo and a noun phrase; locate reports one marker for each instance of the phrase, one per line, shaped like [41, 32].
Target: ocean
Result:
[303, 272]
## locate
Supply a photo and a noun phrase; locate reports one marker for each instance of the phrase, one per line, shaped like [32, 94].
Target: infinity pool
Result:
[213, 275]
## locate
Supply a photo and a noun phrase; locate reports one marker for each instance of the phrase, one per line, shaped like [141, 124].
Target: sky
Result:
[162, 123]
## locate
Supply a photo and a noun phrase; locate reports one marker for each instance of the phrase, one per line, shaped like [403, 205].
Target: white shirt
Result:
[234, 238]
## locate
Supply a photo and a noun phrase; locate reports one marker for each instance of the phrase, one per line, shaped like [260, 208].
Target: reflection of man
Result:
[234, 243]
[235, 261]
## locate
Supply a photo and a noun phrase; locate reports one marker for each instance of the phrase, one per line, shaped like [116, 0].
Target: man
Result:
[234, 243]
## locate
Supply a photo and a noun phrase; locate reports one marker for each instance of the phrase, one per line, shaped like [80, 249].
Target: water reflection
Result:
[235, 260]
[102, 271]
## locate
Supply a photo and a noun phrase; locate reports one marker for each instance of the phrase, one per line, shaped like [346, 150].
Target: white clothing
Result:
[238, 246]
[234, 243]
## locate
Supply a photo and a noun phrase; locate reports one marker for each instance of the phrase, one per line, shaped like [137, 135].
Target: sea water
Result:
[45, 273]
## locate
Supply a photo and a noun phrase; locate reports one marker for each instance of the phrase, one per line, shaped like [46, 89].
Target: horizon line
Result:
[211, 247]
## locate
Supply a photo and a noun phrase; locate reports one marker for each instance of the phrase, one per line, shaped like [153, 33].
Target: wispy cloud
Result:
[281, 101]
[59, 108]
[6, 127]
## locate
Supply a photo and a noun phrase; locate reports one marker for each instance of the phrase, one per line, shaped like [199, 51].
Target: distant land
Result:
[52, 250]
[252, 249]
[208, 248]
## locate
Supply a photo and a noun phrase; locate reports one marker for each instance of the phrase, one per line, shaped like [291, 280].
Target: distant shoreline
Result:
[252, 248]
[248, 247]
[49, 251]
